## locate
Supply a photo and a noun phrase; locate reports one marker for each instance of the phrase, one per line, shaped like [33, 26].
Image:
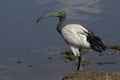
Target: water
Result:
[30, 51]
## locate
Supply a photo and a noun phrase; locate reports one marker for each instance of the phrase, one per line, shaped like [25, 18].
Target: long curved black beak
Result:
[41, 17]
[47, 15]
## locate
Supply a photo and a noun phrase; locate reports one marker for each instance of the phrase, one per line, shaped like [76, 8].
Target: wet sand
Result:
[92, 75]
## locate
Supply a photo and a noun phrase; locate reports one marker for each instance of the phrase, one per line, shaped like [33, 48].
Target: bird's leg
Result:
[79, 67]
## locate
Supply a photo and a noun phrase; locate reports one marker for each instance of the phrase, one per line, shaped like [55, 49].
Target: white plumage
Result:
[76, 36]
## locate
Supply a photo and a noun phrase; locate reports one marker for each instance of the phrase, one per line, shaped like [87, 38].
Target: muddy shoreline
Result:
[93, 75]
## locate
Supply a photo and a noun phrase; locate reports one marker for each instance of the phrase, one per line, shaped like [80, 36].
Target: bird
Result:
[76, 36]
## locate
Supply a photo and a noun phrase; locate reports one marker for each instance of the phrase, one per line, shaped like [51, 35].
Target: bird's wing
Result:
[95, 42]
[80, 37]
[75, 38]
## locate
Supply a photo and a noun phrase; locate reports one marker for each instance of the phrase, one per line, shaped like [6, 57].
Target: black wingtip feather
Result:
[96, 43]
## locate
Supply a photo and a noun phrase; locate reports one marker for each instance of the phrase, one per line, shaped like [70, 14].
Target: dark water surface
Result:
[30, 51]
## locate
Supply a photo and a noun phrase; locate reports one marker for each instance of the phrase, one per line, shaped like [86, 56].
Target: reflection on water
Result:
[32, 51]
[82, 10]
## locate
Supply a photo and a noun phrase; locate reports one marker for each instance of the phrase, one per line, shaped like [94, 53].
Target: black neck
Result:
[59, 26]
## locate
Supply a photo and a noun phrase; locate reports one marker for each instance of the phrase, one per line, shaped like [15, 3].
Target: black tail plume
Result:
[96, 43]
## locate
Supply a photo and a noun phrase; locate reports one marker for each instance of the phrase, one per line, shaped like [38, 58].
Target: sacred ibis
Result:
[76, 36]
